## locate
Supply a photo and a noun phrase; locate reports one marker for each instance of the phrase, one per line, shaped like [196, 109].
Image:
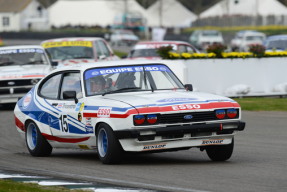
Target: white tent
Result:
[174, 14]
[90, 12]
[245, 7]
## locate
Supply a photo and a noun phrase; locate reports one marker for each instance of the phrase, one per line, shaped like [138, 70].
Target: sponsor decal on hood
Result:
[176, 100]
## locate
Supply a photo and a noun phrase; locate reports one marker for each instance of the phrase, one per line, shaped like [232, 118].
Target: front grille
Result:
[21, 90]
[179, 117]
[15, 91]
[4, 91]
[17, 82]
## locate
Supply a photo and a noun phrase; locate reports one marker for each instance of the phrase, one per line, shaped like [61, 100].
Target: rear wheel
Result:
[220, 152]
[109, 148]
[37, 145]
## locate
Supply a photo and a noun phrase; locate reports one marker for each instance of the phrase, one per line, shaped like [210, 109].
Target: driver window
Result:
[181, 49]
[105, 49]
[190, 49]
[72, 82]
[51, 86]
[98, 49]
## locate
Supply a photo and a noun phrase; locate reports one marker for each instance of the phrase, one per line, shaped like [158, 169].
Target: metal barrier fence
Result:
[230, 21]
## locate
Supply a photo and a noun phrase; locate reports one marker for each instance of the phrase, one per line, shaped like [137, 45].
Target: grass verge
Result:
[120, 54]
[263, 104]
[14, 186]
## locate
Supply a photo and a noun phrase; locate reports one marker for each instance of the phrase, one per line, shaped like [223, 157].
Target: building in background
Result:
[17, 15]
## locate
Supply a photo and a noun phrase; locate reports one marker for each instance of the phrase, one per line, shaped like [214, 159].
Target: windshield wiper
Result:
[33, 62]
[5, 63]
[145, 79]
[119, 90]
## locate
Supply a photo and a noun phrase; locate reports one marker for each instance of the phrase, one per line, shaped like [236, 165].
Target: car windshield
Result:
[254, 38]
[70, 50]
[278, 44]
[24, 56]
[210, 33]
[130, 78]
[143, 53]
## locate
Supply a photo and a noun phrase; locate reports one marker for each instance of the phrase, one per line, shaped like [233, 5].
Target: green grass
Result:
[13, 186]
[120, 54]
[263, 104]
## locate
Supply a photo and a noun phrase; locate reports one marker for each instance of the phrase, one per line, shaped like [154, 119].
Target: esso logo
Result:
[185, 107]
[27, 100]
[104, 112]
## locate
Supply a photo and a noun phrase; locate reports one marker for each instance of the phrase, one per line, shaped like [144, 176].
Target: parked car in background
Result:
[236, 41]
[203, 38]
[67, 51]
[251, 38]
[275, 43]
[21, 67]
[123, 37]
[147, 50]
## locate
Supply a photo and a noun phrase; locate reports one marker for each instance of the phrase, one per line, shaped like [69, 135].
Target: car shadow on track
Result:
[166, 158]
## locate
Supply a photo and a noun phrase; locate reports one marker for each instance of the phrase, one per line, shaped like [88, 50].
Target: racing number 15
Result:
[63, 123]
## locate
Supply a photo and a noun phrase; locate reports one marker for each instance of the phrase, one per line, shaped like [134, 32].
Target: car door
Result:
[66, 119]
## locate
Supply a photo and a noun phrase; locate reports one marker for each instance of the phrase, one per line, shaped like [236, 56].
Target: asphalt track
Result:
[258, 162]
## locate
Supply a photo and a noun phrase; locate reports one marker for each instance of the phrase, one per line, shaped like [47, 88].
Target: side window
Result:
[190, 49]
[182, 49]
[72, 82]
[51, 87]
[98, 49]
[106, 51]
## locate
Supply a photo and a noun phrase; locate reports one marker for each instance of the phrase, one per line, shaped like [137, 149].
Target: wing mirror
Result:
[54, 63]
[70, 95]
[102, 57]
[188, 87]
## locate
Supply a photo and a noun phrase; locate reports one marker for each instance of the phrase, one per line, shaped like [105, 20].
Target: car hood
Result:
[25, 71]
[62, 63]
[167, 101]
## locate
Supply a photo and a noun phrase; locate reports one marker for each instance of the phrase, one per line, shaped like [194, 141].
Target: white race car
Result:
[74, 50]
[125, 106]
[21, 67]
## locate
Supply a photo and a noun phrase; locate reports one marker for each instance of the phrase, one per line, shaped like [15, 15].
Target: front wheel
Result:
[220, 152]
[109, 148]
[37, 145]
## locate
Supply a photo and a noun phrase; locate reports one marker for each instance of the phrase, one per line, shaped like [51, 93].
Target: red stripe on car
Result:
[65, 140]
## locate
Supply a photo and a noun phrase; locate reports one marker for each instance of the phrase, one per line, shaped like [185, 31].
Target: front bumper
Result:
[174, 130]
[12, 98]
[178, 137]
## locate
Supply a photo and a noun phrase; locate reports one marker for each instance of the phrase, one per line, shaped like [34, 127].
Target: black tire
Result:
[40, 147]
[220, 152]
[111, 152]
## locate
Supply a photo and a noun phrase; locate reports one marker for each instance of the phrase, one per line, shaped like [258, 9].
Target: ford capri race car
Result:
[21, 67]
[70, 51]
[124, 106]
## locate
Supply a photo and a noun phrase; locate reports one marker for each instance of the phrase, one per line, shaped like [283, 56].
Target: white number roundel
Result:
[27, 100]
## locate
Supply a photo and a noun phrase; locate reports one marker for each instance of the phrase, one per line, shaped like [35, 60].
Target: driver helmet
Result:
[97, 84]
